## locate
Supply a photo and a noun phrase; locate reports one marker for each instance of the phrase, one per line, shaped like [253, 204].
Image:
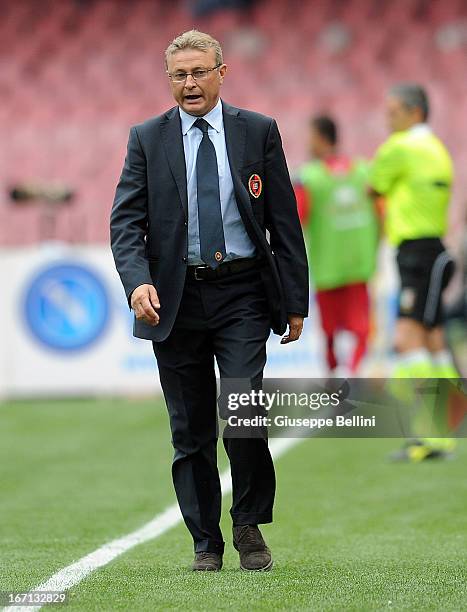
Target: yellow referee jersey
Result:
[414, 171]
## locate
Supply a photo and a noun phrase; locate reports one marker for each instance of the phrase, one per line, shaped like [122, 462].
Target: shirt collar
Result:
[214, 118]
[420, 128]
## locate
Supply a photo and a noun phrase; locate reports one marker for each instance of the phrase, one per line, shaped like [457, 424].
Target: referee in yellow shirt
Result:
[413, 171]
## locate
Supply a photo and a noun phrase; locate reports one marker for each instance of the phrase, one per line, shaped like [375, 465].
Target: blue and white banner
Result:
[66, 329]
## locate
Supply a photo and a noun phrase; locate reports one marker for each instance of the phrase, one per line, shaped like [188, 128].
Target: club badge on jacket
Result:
[255, 185]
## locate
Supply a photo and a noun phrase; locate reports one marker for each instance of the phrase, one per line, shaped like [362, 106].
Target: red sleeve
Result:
[303, 202]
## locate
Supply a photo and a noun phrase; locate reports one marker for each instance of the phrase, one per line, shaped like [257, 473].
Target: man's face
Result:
[317, 143]
[201, 96]
[400, 117]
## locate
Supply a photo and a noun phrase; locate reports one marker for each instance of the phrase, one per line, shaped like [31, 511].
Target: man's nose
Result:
[190, 81]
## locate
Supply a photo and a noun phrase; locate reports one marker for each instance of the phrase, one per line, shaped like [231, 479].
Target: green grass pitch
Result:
[351, 531]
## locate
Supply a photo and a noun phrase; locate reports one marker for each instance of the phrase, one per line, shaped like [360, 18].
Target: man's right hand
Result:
[145, 302]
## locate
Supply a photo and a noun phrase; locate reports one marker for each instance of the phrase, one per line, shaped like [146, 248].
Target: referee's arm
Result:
[386, 170]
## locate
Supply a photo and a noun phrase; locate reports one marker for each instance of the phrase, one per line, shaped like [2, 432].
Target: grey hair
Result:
[193, 39]
[412, 95]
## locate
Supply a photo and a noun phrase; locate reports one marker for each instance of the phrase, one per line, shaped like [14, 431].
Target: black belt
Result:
[225, 269]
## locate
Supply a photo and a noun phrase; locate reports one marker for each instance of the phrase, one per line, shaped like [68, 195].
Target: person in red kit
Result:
[341, 231]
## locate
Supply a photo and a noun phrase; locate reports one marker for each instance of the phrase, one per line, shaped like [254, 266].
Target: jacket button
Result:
[184, 259]
[185, 224]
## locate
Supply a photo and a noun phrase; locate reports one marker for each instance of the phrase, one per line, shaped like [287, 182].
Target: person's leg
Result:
[186, 368]
[425, 270]
[357, 320]
[331, 358]
[413, 357]
[239, 321]
[240, 336]
[328, 305]
[443, 362]
[415, 262]
[240, 349]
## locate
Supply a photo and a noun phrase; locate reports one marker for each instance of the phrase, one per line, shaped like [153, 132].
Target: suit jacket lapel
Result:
[235, 140]
[171, 131]
[235, 136]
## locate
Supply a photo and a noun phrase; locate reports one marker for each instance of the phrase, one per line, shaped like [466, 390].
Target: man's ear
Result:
[222, 71]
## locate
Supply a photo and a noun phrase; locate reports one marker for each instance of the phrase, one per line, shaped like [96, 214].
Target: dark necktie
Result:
[211, 230]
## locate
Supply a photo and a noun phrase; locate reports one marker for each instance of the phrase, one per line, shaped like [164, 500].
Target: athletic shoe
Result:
[416, 451]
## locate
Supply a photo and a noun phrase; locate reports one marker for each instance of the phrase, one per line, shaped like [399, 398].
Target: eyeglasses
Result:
[198, 75]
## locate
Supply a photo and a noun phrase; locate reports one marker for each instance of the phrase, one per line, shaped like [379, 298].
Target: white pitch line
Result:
[73, 574]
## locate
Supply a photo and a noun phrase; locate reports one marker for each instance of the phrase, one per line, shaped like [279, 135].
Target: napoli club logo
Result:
[66, 307]
[255, 185]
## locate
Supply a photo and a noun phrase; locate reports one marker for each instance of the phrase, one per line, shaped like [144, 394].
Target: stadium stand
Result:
[75, 75]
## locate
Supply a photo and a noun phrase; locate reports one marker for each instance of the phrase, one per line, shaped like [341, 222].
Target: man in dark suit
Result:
[200, 186]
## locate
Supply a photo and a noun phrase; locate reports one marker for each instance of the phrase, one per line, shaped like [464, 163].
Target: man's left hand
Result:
[295, 329]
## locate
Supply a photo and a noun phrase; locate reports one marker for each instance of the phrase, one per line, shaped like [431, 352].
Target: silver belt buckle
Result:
[196, 272]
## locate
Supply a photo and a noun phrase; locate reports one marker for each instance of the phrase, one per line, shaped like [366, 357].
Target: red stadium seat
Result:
[74, 77]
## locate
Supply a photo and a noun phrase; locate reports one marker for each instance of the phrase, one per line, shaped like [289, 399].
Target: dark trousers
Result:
[225, 319]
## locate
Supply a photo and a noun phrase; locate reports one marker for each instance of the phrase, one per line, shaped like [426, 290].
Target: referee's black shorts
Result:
[425, 269]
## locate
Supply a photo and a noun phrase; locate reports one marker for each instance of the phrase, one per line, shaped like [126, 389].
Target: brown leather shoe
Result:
[207, 562]
[254, 554]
